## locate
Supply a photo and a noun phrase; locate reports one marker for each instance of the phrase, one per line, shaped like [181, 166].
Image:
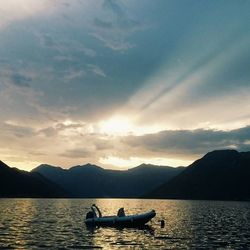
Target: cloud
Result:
[190, 142]
[114, 30]
[72, 74]
[166, 146]
[48, 132]
[66, 128]
[96, 70]
[102, 24]
[114, 41]
[79, 140]
[21, 80]
[114, 7]
[11, 129]
[176, 72]
[15, 10]
[78, 153]
[12, 77]
[63, 45]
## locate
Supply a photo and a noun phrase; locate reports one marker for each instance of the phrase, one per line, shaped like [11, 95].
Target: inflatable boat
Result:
[119, 220]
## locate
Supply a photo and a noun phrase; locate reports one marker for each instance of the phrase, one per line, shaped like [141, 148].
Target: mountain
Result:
[219, 175]
[17, 183]
[93, 181]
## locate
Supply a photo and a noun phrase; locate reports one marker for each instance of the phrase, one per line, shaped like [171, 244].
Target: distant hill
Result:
[93, 181]
[17, 183]
[219, 175]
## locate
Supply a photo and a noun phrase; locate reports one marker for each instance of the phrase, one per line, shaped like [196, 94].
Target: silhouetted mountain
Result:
[219, 175]
[93, 181]
[17, 183]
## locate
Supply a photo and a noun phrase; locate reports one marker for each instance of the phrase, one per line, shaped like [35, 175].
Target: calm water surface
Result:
[59, 224]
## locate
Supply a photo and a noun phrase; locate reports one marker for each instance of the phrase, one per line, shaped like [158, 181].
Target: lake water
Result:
[59, 224]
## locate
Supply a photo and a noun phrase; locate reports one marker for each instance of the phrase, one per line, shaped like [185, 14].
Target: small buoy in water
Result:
[162, 223]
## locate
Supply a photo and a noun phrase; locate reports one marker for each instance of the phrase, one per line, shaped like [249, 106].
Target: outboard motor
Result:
[90, 215]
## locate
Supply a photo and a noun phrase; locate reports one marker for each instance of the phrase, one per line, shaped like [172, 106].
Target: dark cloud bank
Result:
[197, 141]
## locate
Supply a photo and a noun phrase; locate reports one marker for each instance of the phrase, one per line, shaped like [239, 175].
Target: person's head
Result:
[90, 215]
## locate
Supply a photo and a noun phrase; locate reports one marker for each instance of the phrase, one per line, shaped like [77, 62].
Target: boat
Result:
[95, 218]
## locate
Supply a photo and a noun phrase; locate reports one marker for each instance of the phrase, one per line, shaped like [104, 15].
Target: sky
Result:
[118, 83]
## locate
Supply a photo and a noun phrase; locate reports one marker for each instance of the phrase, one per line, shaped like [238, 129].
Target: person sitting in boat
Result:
[94, 208]
[121, 212]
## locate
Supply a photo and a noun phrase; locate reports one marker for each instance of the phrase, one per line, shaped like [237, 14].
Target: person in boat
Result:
[92, 214]
[121, 212]
[94, 208]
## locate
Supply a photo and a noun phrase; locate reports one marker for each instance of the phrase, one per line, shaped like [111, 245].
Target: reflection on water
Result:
[59, 223]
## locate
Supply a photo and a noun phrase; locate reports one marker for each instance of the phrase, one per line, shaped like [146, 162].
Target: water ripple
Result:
[48, 223]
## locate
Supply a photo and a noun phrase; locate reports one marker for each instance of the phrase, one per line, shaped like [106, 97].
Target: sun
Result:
[116, 125]
[126, 125]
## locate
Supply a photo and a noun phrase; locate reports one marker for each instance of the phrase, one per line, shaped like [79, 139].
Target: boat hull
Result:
[126, 221]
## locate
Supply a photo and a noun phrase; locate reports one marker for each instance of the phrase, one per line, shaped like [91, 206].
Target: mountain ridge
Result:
[141, 166]
[218, 175]
[93, 181]
[15, 183]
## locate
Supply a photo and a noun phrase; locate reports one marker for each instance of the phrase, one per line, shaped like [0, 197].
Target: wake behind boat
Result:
[95, 218]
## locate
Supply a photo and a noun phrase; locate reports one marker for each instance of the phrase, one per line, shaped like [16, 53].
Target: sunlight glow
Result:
[122, 126]
[131, 162]
[68, 122]
[116, 126]
[23, 165]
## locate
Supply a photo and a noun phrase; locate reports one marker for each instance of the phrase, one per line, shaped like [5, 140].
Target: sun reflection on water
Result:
[59, 223]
